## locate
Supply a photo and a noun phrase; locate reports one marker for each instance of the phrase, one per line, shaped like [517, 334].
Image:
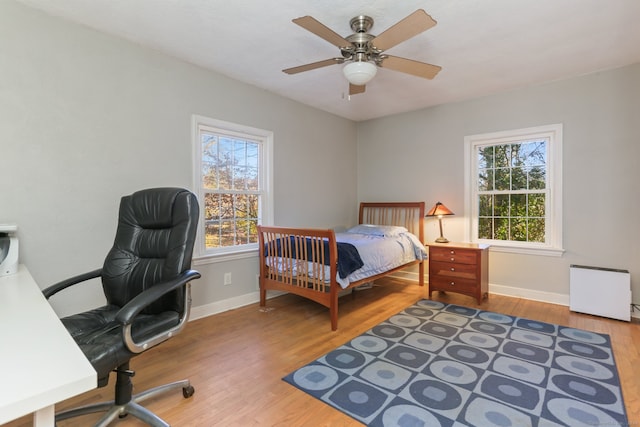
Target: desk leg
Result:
[45, 417]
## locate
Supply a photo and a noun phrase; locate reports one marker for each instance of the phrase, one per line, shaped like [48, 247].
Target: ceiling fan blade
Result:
[404, 29]
[313, 65]
[356, 89]
[409, 66]
[309, 23]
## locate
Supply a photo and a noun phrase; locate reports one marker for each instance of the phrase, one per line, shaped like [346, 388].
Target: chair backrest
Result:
[154, 243]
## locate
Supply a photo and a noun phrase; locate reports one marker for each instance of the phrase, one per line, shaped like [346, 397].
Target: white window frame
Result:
[265, 138]
[553, 210]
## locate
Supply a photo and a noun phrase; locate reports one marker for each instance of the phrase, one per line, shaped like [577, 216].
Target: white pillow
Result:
[378, 230]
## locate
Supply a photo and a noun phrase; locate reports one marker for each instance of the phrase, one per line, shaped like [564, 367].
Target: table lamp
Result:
[440, 210]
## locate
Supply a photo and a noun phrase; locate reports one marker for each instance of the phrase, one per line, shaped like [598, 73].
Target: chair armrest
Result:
[54, 289]
[127, 313]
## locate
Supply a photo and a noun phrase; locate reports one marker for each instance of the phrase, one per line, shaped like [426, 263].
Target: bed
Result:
[320, 264]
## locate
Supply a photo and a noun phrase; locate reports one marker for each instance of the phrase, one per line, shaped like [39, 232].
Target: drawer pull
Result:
[452, 252]
[452, 259]
[452, 283]
[453, 269]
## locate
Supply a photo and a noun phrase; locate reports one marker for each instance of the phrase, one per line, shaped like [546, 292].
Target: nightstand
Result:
[459, 267]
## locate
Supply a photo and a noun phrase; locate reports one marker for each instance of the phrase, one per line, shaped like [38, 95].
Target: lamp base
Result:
[442, 240]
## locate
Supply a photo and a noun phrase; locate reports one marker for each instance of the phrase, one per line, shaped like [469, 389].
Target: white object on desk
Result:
[42, 365]
[8, 249]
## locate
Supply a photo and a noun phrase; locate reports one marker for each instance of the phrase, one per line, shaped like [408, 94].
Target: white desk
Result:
[41, 364]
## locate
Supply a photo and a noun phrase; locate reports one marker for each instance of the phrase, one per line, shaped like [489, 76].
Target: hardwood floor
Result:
[235, 360]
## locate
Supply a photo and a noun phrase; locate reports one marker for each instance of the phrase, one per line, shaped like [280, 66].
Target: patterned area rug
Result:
[435, 364]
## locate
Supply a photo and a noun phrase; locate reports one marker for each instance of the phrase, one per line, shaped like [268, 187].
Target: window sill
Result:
[552, 252]
[212, 259]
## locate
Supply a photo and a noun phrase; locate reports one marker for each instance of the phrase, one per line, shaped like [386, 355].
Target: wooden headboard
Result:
[406, 214]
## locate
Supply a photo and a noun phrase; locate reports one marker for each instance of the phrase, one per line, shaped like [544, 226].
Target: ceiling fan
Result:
[363, 52]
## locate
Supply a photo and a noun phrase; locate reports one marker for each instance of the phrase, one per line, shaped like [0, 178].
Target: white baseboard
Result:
[531, 294]
[228, 304]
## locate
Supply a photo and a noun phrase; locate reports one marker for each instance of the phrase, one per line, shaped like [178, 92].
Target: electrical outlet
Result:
[227, 279]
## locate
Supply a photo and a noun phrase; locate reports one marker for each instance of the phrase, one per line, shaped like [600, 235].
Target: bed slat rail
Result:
[406, 214]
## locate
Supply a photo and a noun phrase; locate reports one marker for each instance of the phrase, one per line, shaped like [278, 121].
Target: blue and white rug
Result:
[437, 364]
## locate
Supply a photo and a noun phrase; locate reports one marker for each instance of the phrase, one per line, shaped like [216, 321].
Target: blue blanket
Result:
[348, 257]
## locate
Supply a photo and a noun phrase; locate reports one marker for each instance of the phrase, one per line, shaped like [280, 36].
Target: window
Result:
[513, 189]
[232, 174]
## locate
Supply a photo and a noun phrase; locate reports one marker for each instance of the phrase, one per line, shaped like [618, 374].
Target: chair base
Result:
[132, 407]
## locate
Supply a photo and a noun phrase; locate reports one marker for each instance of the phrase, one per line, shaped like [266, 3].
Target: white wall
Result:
[86, 118]
[419, 155]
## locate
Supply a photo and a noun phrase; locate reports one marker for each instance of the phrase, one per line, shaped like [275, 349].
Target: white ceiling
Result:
[483, 46]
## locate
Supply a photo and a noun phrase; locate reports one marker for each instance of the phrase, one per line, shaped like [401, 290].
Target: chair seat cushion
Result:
[99, 336]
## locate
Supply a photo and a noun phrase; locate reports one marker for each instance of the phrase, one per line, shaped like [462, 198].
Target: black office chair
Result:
[145, 278]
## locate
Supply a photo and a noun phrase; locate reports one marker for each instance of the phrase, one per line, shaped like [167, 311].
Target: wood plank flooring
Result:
[235, 360]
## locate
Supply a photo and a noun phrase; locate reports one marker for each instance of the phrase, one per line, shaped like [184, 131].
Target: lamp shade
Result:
[439, 209]
[359, 72]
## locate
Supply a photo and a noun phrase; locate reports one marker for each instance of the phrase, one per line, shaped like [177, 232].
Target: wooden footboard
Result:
[300, 261]
[304, 261]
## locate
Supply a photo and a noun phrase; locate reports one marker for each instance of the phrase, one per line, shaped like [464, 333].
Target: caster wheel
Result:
[188, 391]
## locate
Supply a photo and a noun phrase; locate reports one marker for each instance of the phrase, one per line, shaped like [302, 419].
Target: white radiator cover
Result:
[601, 291]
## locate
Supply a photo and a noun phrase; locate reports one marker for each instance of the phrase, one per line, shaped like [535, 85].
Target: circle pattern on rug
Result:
[479, 340]
[576, 413]
[316, 377]
[495, 317]
[344, 358]
[584, 389]
[405, 321]
[584, 350]
[467, 354]
[585, 367]
[369, 344]
[583, 336]
[425, 342]
[435, 394]
[488, 328]
[453, 372]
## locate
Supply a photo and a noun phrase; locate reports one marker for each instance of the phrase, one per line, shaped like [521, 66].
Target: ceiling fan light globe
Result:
[360, 72]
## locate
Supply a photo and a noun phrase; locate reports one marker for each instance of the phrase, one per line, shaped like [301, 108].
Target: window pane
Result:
[209, 176]
[537, 178]
[532, 153]
[503, 179]
[518, 178]
[485, 206]
[502, 156]
[501, 207]
[518, 204]
[501, 229]
[485, 157]
[519, 229]
[536, 230]
[485, 180]
[485, 228]
[536, 205]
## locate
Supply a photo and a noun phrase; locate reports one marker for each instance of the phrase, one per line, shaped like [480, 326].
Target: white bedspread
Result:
[380, 254]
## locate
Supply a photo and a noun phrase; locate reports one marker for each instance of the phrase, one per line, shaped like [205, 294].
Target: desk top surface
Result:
[42, 365]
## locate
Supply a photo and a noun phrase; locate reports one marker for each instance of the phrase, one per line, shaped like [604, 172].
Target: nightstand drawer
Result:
[456, 255]
[448, 270]
[464, 286]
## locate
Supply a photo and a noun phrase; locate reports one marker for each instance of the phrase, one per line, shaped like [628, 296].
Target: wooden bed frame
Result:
[302, 270]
